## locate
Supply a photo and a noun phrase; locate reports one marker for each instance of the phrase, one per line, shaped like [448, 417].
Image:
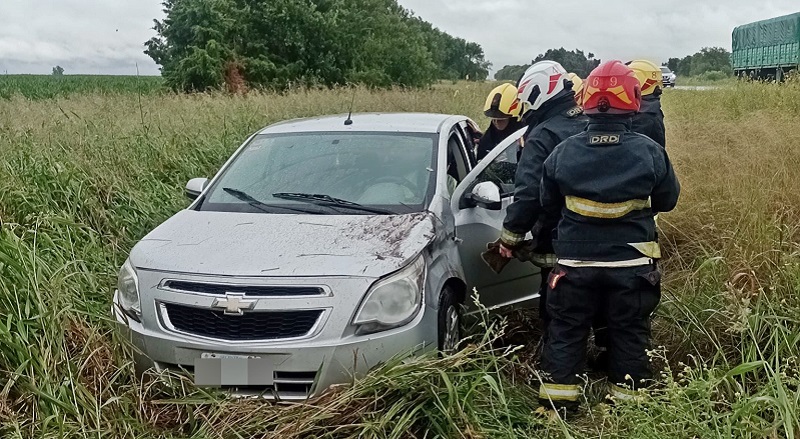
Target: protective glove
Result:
[494, 258]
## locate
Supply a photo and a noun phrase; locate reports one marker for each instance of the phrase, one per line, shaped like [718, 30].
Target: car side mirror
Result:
[195, 187]
[485, 195]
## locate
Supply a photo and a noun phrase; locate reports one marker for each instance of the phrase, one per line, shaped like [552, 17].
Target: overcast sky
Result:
[107, 36]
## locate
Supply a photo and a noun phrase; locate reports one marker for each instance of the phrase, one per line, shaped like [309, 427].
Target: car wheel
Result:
[449, 332]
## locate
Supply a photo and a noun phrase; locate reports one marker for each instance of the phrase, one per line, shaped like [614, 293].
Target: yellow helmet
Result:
[648, 74]
[502, 103]
[577, 86]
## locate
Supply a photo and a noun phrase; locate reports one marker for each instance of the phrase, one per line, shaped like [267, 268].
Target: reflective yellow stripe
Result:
[559, 392]
[595, 209]
[638, 262]
[650, 249]
[544, 260]
[511, 238]
[624, 394]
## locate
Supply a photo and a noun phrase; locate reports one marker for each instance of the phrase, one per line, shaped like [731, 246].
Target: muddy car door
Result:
[479, 204]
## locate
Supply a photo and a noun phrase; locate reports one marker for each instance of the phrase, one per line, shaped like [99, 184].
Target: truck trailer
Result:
[767, 49]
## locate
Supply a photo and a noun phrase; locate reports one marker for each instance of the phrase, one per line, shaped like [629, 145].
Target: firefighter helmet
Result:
[612, 88]
[577, 86]
[540, 83]
[502, 103]
[648, 74]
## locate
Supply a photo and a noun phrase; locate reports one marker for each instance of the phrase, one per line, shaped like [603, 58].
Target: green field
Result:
[87, 173]
[48, 87]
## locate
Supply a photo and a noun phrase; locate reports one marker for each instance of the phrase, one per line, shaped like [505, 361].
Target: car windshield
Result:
[328, 173]
[665, 70]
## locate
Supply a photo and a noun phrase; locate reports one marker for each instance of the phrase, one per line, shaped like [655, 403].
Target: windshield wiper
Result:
[327, 200]
[258, 204]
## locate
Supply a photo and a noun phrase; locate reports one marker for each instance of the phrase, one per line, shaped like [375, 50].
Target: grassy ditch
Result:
[83, 177]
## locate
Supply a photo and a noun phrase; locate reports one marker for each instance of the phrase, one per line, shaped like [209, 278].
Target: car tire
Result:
[449, 321]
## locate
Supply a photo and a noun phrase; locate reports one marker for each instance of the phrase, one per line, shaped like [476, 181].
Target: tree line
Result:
[275, 44]
[709, 61]
[574, 61]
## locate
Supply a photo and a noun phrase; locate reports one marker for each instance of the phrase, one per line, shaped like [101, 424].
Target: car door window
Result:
[457, 164]
[501, 171]
[471, 135]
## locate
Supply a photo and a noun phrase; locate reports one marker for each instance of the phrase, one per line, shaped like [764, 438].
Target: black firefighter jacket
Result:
[650, 120]
[607, 183]
[549, 126]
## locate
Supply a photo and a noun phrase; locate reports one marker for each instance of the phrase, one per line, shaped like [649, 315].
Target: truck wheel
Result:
[449, 333]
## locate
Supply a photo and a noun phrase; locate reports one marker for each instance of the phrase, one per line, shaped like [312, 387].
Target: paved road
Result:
[696, 87]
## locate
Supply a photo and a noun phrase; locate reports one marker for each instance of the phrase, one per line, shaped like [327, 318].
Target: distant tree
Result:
[58, 71]
[574, 61]
[673, 63]
[708, 59]
[511, 73]
[712, 59]
[201, 44]
[685, 66]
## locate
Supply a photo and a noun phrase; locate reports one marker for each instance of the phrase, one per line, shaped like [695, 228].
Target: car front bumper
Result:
[301, 368]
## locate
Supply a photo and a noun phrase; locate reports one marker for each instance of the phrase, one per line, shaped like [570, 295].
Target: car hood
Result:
[253, 244]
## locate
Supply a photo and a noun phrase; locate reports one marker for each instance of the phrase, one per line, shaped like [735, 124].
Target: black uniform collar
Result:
[651, 97]
[609, 123]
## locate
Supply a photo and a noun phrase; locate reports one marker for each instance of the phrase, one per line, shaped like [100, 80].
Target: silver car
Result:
[321, 249]
[668, 77]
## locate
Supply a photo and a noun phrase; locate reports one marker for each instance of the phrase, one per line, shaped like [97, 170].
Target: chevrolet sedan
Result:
[322, 248]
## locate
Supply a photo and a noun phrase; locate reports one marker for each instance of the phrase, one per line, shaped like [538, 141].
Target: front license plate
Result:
[217, 370]
[214, 355]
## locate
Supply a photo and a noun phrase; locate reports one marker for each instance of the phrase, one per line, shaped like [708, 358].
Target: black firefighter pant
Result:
[626, 297]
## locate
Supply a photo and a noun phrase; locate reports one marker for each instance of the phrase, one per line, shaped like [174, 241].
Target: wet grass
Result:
[83, 177]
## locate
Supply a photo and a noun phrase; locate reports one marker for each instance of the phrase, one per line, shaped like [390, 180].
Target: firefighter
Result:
[503, 108]
[650, 122]
[550, 111]
[650, 119]
[606, 183]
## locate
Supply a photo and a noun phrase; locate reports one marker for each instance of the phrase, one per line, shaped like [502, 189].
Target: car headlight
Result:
[394, 301]
[128, 289]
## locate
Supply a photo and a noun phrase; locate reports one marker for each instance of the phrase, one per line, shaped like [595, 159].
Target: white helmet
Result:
[540, 83]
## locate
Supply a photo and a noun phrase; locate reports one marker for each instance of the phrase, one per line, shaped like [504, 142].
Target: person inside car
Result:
[503, 108]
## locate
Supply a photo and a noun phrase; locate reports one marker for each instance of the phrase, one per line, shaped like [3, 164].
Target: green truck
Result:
[767, 49]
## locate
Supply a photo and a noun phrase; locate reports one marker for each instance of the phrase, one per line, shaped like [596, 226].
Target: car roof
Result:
[378, 122]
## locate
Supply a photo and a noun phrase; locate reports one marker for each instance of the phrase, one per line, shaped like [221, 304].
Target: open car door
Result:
[479, 204]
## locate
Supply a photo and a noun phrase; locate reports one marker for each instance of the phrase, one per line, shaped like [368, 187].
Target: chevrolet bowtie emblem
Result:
[234, 304]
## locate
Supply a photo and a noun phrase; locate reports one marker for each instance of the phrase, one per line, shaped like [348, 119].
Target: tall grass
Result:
[83, 177]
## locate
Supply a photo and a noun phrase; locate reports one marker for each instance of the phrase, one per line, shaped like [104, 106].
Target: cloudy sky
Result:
[106, 36]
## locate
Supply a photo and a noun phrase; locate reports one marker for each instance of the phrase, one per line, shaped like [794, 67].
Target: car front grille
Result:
[251, 326]
[247, 290]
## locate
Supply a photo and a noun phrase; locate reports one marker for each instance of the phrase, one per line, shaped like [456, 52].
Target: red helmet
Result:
[612, 88]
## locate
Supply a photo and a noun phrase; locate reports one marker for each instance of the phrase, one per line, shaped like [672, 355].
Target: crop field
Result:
[47, 87]
[86, 173]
